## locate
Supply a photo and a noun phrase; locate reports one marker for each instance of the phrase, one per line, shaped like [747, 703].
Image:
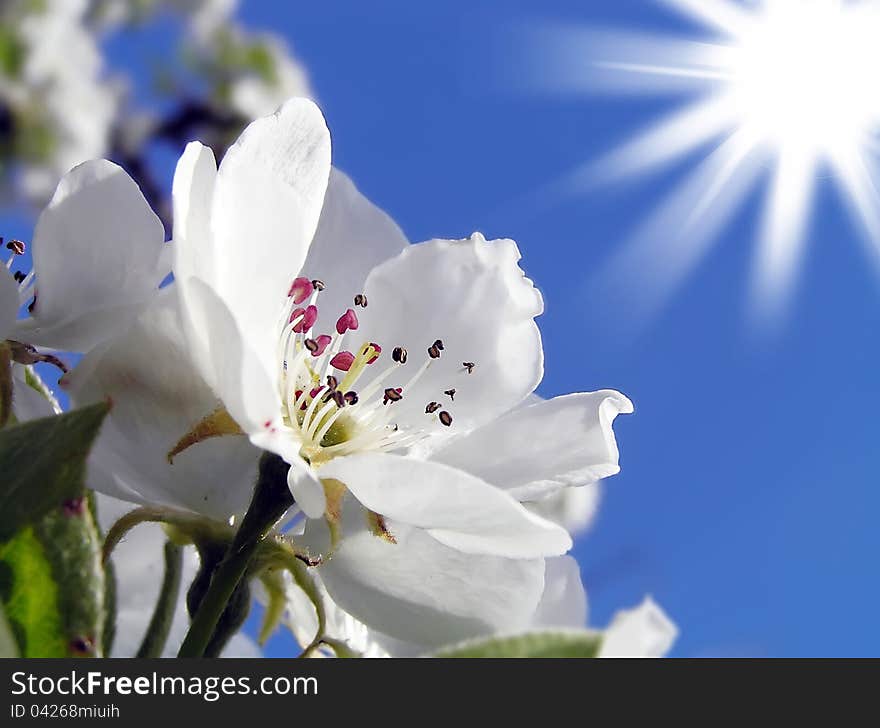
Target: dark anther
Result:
[432, 408]
[392, 395]
[332, 382]
[339, 398]
[32, 304]
[360, 300]
[469, 365]
[445, 418]
[434, 351]
[19, 276]
[450, 393]
[318, 285]
[311, 345]
[399, 355]
[439, 344]
[351, 397]
[16, 246]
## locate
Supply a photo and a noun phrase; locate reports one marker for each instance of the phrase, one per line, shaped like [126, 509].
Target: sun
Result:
[780, 88]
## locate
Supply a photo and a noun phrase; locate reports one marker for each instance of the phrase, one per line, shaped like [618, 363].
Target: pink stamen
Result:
[323, 341]
[376, 355]
[343, 360]
[307, 318]
[348, 320]
[300, 290]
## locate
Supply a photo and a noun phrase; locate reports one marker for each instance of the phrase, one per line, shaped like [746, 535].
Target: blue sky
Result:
[748, 497]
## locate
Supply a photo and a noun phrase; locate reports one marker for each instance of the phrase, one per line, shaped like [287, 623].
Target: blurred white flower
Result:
[254, 94]
[205, 16]
[574, 509]
[644, 631]
[61, 107]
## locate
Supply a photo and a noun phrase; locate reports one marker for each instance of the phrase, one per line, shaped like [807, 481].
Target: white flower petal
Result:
[536, 450]
[239, 378]
[302, 619]
[267, 200]
[353, 237]
[96, 248]
[192, 194]
[457, 509]
[8, 302]
[473, 296]
[421, 591]
[307, 490]
[645, 631]
[564, 601]
[157, 398]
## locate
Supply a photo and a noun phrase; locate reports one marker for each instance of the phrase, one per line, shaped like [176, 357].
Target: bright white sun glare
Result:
[787, 88]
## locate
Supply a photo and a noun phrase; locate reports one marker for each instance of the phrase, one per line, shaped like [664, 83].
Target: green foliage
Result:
[534, 644]
[53, 585]
[11, 52]
[30, 597]
[42, 463]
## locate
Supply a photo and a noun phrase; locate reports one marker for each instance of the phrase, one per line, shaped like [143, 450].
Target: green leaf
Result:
[43, 464]
[533, 644]
[53, 585]
[30, 597]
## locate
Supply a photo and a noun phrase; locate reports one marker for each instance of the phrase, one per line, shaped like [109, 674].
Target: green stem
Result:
[271, 499]
[163, 615]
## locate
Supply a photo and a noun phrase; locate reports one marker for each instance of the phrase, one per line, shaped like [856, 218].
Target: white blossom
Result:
[644, 631]
[428, 490]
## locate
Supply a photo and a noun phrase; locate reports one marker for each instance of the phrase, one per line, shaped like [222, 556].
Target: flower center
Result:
[334, 400]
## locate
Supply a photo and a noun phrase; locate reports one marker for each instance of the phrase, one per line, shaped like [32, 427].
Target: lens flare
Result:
[784, 88]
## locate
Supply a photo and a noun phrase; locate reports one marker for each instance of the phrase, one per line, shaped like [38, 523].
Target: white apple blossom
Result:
[429, 493]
